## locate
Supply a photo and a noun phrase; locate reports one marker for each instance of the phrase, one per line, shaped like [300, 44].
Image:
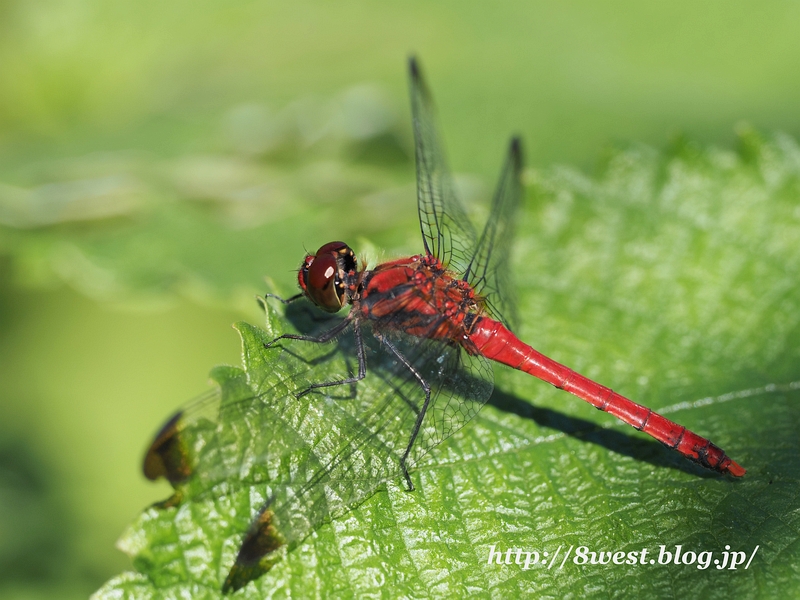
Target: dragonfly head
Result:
[324, 277]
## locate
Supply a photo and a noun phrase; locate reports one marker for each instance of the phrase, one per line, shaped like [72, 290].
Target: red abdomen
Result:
[494, 341]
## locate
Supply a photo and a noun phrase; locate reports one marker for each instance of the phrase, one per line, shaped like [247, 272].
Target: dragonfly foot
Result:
[408, 478]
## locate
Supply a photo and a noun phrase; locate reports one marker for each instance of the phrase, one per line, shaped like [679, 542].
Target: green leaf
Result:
[672, 277]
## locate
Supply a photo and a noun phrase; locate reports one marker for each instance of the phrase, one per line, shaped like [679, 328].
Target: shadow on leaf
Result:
[627, 444]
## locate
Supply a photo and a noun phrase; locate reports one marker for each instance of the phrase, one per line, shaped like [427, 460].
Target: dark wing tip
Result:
[413, 67]
[515, 152]
[168, 456]
[417, 81]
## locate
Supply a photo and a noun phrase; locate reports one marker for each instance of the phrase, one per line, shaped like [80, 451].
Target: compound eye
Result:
[322, 282]
[302, 274]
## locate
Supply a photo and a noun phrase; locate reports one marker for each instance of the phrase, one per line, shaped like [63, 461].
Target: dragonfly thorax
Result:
[326, 277]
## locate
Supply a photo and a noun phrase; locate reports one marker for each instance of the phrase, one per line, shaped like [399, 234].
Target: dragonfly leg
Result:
[362, 359]
[284, 300]
[323, 338]
[420, 415]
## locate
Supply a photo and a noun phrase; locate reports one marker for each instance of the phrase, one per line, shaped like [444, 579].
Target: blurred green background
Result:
[157, 160]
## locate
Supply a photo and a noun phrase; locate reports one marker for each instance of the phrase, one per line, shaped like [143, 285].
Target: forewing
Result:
[293, 463]
[446, 231]
[282, 465]
[251, 428]
[489, 270]
[360, 434]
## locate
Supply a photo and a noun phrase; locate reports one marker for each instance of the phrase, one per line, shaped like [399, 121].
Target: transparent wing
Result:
[489, 270]
[299, 462]
[358, 438]
[446, 231]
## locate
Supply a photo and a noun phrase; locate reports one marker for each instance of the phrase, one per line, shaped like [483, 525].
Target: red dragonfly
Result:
[430, 324]
[449, 294]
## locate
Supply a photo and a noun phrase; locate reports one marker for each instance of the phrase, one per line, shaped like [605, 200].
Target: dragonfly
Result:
[429, 326]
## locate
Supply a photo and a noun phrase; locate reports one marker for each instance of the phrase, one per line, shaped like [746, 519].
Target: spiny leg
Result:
[326, 337]
[323, 338]
[284, 300]
[362, 365]
[420, 416]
